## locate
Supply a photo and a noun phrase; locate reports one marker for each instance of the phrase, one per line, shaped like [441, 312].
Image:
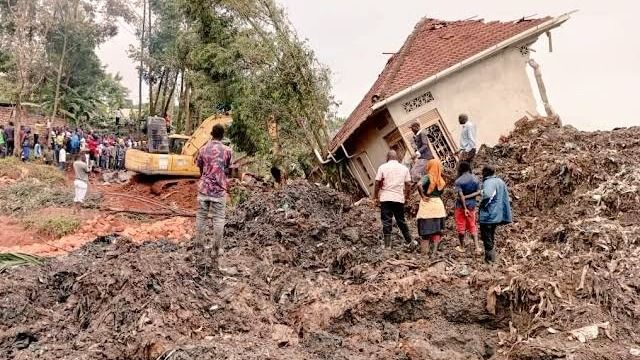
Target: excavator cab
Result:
[177, 142]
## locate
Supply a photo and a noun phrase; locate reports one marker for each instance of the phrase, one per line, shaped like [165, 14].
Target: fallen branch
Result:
[150, 212]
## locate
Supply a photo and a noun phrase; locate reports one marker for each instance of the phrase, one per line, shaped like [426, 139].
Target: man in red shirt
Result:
[92, 145]
[214, 161]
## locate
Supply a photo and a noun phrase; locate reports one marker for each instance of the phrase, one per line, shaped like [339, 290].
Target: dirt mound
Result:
[303, 276]
[307, 226]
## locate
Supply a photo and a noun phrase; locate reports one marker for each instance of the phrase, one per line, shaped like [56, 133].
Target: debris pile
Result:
[303, 276]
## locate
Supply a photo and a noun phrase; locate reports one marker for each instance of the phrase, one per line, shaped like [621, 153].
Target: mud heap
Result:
[303, 276]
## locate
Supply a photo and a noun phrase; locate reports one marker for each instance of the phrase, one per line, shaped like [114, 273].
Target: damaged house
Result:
[443, 69]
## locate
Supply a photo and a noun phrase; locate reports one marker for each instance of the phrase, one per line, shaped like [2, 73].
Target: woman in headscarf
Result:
[431, 213]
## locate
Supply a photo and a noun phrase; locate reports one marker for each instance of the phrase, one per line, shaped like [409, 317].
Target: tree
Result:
[26, 26]
[80, 26]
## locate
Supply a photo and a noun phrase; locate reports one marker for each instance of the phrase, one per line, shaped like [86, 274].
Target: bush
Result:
[13, 168]
[55, 226]
[30, 194]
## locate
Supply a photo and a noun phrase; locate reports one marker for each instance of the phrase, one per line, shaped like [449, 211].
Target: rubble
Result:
[304, 276]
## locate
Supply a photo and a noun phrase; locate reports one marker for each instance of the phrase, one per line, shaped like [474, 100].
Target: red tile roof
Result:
[432, 47]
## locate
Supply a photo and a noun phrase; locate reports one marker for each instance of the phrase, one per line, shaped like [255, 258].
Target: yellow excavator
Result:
[178, 159]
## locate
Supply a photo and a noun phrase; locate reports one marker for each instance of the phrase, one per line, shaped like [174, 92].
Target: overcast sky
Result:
[591, 76]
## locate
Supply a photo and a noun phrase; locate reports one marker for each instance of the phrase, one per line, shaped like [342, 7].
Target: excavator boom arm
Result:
[203, 134]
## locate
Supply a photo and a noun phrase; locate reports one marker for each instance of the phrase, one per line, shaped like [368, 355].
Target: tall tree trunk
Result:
[17, 123]
[187, 106]
[150, 67]
[144, 16]
[56, 97]
[169, 98]
[181, 101]
[154, 107]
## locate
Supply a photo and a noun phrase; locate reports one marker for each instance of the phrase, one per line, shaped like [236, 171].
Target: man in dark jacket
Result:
[494, 209]
[422, 152]
[9, 133]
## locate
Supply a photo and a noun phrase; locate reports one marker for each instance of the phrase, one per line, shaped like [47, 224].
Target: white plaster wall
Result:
[495, 93]
[370, 140]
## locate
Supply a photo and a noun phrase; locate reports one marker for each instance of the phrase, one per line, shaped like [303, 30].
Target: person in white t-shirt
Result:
[62, 158]
[392, 187]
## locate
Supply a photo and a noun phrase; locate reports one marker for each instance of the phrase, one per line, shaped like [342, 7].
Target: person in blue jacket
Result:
[494, 209]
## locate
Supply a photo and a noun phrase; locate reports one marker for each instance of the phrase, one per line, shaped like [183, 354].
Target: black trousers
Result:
[389, 210]
[10, 148]
[487, 234]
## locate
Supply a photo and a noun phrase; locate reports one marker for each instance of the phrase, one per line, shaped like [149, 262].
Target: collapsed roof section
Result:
[434, 49]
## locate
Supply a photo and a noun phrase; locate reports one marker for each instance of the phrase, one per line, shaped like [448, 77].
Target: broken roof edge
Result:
[537, 30]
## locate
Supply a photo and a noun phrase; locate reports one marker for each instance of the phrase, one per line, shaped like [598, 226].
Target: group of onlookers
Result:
[485, 202]
[55, 146]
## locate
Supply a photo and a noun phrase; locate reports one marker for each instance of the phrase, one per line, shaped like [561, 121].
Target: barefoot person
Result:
[392, 187]
[465, 212]
[431, 213]
[81, 183]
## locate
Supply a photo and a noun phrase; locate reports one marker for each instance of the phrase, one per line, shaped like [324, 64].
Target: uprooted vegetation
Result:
[304, 277]
[30, 186]
[27, 195]
[53, 225]
[13, 169]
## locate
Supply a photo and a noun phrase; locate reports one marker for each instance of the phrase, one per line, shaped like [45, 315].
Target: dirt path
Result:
[133, 195]
[14, 235]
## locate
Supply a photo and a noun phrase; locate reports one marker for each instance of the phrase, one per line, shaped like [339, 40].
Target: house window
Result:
[440, 145]
[417, 102]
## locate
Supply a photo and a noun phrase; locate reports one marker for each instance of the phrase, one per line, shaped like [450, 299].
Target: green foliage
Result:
[5, 61]
[54, 63]
[243, 56]
[238, 195]
[9, 260]
[11, 167]
[24, 196]
[54, 226]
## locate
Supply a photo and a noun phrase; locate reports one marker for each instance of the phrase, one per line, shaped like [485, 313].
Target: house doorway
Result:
[442, 144]
[365, 171]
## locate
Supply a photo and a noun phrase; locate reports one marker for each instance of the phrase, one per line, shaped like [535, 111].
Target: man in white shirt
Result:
[62, 158]
[392, 187]
[467, 139]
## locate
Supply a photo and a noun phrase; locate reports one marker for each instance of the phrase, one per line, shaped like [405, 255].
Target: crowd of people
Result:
[485, 202]
[57, 145]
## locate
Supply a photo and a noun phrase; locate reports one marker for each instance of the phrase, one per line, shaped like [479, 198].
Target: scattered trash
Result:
[590, 332]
